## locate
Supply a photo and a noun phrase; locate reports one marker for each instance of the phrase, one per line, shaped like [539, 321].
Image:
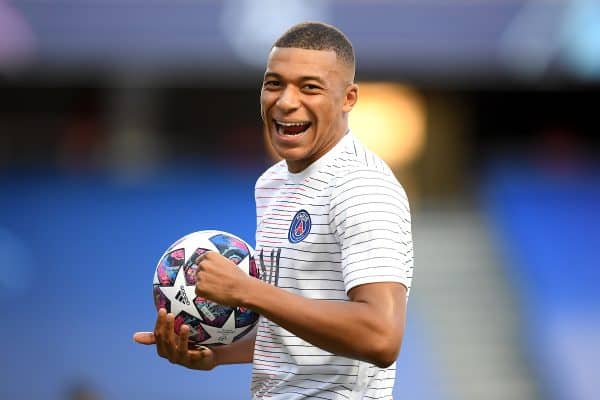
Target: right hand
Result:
[174, 347]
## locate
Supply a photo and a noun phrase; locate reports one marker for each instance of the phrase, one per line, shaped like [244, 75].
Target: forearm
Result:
[355, 329]
[238, 352]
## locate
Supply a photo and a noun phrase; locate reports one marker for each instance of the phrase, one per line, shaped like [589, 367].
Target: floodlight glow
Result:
[390, 120]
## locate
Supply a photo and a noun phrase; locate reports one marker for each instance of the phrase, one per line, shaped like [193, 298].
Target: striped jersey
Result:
[343, 221]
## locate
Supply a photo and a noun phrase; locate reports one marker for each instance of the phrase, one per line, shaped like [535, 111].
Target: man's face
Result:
[305, 98]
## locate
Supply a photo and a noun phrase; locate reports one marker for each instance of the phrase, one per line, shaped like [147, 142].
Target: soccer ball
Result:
[174, 288]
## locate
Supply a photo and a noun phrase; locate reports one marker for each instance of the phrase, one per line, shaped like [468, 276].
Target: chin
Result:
[287, 152]
[290, 155]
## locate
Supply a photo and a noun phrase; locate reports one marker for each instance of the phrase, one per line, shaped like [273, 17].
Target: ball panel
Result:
[160, 300]
[245, 317]
[244, 333]
[212, 313]
[231, 247]
[169, 265]
[191, 267]
[253, 269]
[197, 333]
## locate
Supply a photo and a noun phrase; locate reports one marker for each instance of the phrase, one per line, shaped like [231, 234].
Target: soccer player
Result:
[333, 242]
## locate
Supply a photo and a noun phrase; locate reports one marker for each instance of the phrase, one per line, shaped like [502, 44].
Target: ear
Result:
[350, 98]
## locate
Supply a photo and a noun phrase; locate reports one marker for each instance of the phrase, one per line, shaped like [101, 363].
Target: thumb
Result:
[146, 338]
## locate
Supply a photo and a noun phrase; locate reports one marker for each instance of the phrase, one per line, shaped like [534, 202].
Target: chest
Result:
[296, 248]
[293, 215]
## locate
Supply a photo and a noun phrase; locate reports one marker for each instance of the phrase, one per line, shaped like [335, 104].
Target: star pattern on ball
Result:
[181, 295]
[225, 333]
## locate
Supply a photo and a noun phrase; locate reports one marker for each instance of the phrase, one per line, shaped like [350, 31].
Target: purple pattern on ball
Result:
[191, 267]
[213, 314]
[160, 300]
[197, 333]
[244, 317]
[253, 270]
[169, 266]
[230, 247]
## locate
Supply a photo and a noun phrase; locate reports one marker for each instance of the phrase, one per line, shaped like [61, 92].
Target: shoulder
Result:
[356, 166]
[273, 173]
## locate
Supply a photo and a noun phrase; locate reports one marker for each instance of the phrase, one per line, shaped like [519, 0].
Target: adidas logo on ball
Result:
[181, 296]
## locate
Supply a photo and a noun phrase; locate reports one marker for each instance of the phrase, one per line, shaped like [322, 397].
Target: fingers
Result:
[175, 347]
[204, 351]
[170, 339]
[146, 338]
[159, 327]
[169, 345]
[182, 344]
[170, 328]
[201, 257]
[160, 333]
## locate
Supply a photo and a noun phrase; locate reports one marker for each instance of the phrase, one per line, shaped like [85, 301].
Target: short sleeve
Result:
[370, 216]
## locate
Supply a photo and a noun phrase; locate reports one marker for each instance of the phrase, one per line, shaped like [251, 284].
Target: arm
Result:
[174, 347]
[369, 327]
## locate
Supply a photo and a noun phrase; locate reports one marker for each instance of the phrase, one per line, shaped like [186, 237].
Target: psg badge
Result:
[300, 227]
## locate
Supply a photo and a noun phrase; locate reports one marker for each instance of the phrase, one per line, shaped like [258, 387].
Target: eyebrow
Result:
[301, 79]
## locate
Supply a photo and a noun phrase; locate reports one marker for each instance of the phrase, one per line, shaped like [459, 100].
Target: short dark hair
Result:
[318, 36]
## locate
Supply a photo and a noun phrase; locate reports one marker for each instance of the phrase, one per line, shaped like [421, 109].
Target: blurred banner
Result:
[424, 40]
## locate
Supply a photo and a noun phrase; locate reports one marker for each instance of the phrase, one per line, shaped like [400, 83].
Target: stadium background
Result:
[126, 124]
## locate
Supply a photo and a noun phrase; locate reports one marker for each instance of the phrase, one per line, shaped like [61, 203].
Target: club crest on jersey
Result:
[300, 227]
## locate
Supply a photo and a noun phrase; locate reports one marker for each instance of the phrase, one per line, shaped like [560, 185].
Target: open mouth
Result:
[291, 128]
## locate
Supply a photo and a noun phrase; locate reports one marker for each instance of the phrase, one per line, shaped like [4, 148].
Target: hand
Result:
[174, 347]
[220, 280]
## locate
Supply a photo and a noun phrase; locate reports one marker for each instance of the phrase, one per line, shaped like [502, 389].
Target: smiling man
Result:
[306, 96]
[333, 242]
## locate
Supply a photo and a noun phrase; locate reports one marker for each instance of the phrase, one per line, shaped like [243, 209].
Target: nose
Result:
[288, 99]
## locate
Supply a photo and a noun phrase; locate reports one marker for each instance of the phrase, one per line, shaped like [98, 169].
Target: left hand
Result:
[220, 280]
[174, 347]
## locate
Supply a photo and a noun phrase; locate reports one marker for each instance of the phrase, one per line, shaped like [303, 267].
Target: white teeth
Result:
[290, 124]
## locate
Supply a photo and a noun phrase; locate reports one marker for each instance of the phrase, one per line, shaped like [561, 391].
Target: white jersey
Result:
[343, 221]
